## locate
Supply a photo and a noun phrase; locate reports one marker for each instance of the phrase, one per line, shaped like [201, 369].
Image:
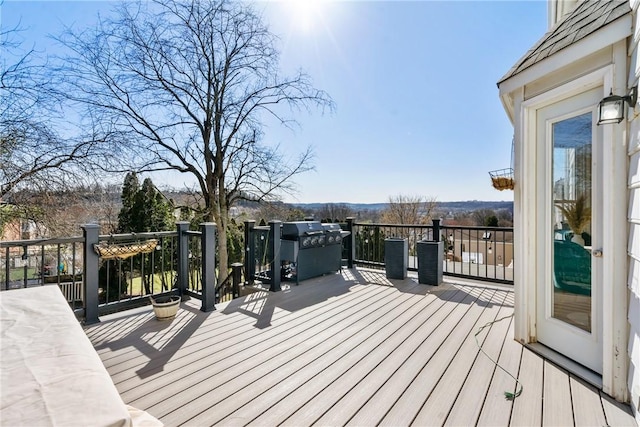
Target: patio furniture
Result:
[49, 371]
[572, 267]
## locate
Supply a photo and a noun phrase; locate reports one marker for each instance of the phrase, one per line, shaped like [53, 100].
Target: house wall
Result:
[557, 8]
[602, 59]
[493, 253]
[548, 88]
[634, 224]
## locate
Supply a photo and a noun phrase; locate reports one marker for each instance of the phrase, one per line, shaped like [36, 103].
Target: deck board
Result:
[329, 388]
[437, 409]
[346, 348]
[496, 409]
[557, 408]
[617, 414]
[250, 349]
[527, 409]
[275, 360]
[587, 406]
[393, 401]
[361, 384]
[350, 348]
[470, 400]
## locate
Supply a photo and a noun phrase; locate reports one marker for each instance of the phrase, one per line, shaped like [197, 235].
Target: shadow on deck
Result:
[349, 348]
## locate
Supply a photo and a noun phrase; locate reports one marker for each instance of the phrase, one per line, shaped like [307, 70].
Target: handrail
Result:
[106, 284]
[478, 252]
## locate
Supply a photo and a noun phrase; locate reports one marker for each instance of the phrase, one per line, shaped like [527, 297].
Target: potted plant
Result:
[577, 216]
[165, 307]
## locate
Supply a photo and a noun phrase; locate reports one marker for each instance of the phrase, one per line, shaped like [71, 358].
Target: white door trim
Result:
[575, 343]
[526, 274]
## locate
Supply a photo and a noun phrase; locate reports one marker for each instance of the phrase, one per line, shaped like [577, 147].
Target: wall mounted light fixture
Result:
[611, 108]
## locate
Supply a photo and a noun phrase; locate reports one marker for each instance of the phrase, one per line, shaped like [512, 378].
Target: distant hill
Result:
[353, 206]
[462, 206]
[474, 205]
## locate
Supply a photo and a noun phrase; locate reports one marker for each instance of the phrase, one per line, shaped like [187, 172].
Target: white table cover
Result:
[50, 375]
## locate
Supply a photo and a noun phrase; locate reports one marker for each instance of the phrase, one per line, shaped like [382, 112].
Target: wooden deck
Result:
[346, 349]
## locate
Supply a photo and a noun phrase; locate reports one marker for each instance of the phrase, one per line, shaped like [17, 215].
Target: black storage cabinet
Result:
[430, 259]
[396, 257]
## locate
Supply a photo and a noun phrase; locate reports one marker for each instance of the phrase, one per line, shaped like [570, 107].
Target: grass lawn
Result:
[134, 287]
[18, 273]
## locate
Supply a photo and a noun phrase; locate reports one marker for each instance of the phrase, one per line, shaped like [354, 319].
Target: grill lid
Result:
[331, 227]
[297, 229]
[335, 234]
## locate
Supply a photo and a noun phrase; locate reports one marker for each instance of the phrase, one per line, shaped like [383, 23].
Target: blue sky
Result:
[414, 82]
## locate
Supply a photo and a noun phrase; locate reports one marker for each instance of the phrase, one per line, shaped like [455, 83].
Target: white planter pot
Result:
[165, 308]
[577, 238]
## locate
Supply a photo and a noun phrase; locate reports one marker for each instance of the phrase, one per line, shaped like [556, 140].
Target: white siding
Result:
[634, 230]
[556, 9]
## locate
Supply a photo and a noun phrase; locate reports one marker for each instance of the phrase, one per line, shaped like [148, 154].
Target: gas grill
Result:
[334, 234]
[309, 249]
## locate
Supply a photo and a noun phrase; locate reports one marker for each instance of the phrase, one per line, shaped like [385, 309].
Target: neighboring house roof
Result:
[588, 17]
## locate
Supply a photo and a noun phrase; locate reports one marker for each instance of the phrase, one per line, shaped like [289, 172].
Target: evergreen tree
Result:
[491, 221]
[145, 209]
[144, 206]
[130, 188]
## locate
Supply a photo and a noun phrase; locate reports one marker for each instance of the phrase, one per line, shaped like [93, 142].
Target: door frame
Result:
[559, 334]
[527, 273]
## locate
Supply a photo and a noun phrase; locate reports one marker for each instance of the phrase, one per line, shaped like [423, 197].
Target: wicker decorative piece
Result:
[125, 250]
[502, 179]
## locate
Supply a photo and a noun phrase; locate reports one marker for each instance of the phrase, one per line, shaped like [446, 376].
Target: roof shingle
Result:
[585, 19]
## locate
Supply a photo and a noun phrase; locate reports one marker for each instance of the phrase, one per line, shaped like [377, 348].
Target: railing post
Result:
[249, 251]
[237, 278]
[275, 254]
[183, 259]
[91, 281]
[350, 242]
[208, 243]
[436, 230]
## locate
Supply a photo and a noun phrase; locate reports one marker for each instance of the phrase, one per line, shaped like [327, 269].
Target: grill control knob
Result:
[306, 242]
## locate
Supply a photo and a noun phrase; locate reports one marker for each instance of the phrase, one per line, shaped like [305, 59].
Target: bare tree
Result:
[334, 211]
[484, 217]
[409, 210]
[278, 210]
[32, 153]
[505, 218]
[63, 212]
[187, 85]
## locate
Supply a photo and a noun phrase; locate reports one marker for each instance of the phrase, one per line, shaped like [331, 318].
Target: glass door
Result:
[571, 216]
[568, 298]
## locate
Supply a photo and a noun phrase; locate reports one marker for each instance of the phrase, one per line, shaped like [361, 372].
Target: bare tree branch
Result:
[409, 210]
[189, 83]
[33, 154]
